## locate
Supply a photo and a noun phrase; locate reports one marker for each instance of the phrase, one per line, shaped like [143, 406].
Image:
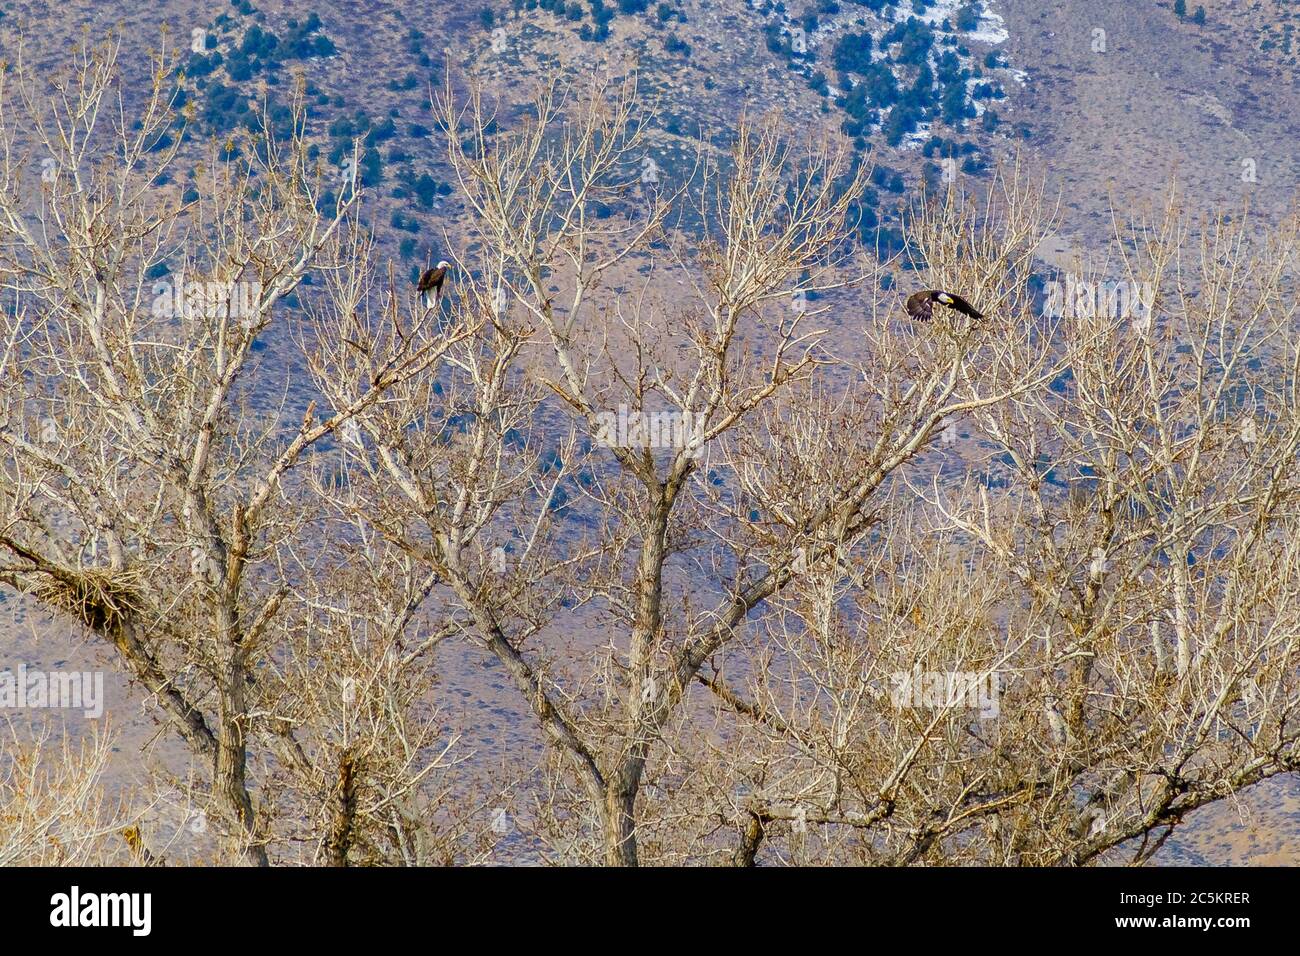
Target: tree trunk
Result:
[341, 830]
[620, 815]
[230, 783]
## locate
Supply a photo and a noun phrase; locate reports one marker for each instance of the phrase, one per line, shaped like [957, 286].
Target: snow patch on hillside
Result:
[991, 30]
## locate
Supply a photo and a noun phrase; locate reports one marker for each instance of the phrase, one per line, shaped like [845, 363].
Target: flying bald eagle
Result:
[430, 284]
[920, 305]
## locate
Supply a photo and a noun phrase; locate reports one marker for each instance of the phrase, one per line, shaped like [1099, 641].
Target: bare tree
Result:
[1162, 584]
[1088, 637]
[145, 484]
[670, 391]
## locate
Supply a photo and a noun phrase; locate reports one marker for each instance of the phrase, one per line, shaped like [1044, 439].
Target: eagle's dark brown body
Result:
[430, 284]
[920, 305]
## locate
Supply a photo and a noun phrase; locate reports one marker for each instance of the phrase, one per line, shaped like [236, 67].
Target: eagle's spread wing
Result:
[960, 304]
[920, 305]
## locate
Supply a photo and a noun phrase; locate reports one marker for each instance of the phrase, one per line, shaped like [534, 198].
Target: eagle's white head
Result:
[444, 264]
[945, 298]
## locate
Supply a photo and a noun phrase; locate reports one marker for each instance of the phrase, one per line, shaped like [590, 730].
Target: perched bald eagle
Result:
[920, 305]
[430, 284]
